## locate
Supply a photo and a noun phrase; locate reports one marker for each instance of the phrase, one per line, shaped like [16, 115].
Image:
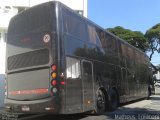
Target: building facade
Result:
[157, 75]
[9, 8]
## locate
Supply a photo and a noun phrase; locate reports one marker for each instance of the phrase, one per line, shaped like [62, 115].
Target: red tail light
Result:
[62, 83]
[54, 82]
[54, 67]
[54, 79]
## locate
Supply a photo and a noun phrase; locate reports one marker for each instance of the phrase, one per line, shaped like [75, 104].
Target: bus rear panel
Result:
[31, 53]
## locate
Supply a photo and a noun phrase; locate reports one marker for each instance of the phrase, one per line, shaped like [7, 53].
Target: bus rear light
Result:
[54, 90]
[54, 82]
[62, 75]
[54, 75]
[54, 67]
[62, 83]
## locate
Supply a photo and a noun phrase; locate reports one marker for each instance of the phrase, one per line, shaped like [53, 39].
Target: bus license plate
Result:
[25, 108]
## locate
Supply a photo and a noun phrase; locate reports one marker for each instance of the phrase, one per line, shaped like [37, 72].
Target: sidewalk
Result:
[157, 90]
[1, 113]
[1, 110]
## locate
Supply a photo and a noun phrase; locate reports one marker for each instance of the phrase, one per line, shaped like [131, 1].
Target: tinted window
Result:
[74, 25]
[101, 35]
[92, 36]
[124, 50]
[112, 43]
[30, 20]
[130, 53]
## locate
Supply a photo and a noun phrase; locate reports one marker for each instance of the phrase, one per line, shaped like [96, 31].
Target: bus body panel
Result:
[29, 85]
[47, 105]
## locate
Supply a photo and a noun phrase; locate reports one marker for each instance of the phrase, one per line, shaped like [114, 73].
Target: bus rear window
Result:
[33, 58]
[31, 20]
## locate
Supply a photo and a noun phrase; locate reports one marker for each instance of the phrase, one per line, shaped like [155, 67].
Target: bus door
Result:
[88, 85]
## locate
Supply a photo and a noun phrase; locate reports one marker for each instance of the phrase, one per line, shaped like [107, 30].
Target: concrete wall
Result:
[2, 90]
[2, 53]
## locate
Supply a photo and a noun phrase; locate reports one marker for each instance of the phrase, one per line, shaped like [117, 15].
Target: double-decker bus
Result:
[62, 63]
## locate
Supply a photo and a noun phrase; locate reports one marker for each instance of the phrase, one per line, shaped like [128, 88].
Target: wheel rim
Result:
[100, 101]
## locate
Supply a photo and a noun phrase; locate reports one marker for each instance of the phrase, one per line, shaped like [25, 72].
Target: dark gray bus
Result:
[60, 62]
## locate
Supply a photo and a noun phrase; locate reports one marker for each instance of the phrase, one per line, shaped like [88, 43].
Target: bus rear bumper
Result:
[47, 105]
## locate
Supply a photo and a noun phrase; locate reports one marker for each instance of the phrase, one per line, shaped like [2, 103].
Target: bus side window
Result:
[124, 50]
[93, 37]
[73, 68]
[74, 25]
[101, 35]
[111, 43]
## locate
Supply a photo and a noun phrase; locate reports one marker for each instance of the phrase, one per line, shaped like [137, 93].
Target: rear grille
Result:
[34, 58]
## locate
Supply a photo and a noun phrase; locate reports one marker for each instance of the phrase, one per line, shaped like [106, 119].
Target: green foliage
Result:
[135, 38]
[158, 67]
[153, 37]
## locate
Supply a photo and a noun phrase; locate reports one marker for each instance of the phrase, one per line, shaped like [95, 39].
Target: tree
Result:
[135, 38]
[153, 37]
[158, 67]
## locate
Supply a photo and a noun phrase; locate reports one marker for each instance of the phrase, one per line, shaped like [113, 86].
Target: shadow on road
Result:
[63, 117]
[122, 113]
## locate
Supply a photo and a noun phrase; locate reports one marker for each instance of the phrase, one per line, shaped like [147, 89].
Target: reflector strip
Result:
[25, 92]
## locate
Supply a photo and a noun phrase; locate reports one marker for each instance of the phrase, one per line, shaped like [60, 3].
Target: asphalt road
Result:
[139, 110]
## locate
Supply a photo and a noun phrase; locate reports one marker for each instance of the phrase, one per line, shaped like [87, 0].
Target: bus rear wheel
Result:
[100, 102]
[113, 100]
[149, 93]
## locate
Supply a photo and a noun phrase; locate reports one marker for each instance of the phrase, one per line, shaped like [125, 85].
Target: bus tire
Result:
[112, 100]
[149, 93]
[100, 102]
